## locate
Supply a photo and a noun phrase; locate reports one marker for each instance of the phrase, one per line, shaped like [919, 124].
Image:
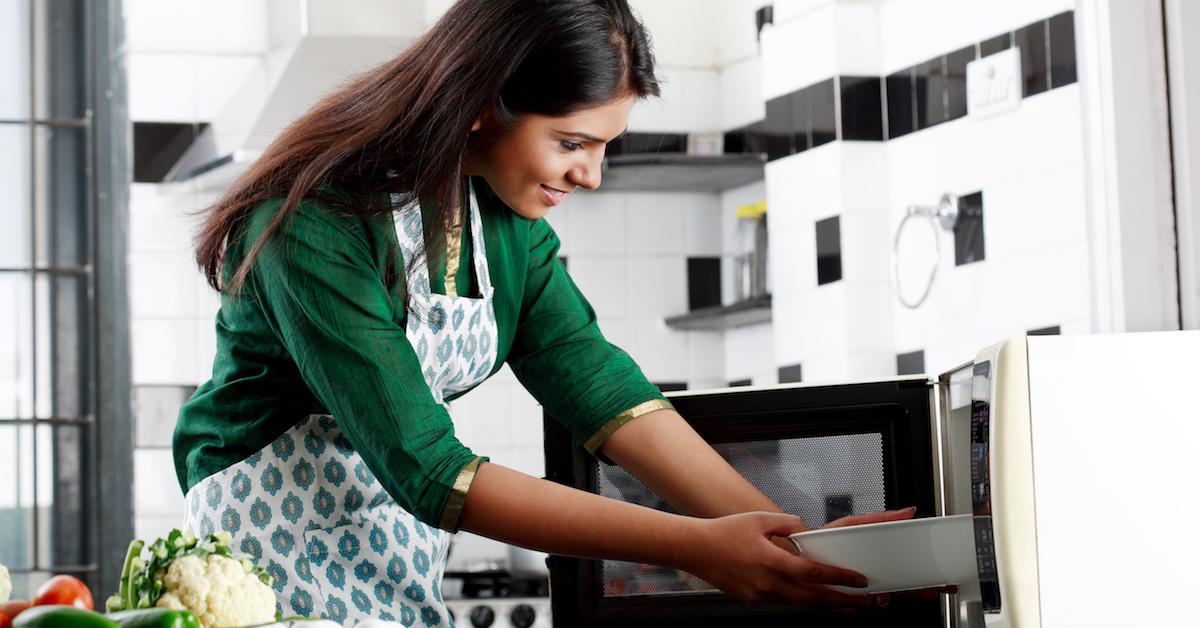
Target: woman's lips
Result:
[552, 196]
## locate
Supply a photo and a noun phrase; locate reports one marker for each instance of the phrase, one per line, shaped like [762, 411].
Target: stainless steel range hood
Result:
[315, 46]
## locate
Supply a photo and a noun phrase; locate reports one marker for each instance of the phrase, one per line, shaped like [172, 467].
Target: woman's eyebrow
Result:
[588, 137]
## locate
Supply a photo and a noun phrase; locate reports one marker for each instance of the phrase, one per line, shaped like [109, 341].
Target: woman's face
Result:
[534, 165]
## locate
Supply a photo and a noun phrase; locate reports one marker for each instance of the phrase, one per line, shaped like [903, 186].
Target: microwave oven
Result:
[1074, 454]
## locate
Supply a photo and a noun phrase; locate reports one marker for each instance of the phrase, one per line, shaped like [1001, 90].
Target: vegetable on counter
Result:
[5, 584]
[14, 607]
[181, 572]
[59, 616]
[155, 618]
[64, 590]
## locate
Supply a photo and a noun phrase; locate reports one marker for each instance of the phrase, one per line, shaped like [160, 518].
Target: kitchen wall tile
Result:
[992, 45]
[206, 348]
[157, 527]
[779, 127]
[829, 250]
[155, 412]
[667, 387]
[560, 221]
[657, 286]
[604, 282]
[868, 318]
[660, 351]
[869, 365]
[969, 233]
[741, 93]
[861, 108]
[597, 224]
[810, 39]
[801, 119]
[930, 89]
[791, 374]
[655, 222]
[156, 491]
[703, 224]
[1062, 49]
[525, 418]
[911, 363]
[750, 351]
[164, 351]
[793, 266]
[706, 357]
[956, 81]
[528, 460]
[481, 417]
[162, 285]
[901, 102]
[866, 247]
[1034, 67]
[218, 27]
[822, 104]
[703, 282]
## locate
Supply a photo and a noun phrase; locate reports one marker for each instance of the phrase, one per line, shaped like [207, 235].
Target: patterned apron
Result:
[308, 509]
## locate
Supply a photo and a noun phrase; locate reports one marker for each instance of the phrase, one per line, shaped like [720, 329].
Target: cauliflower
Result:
[219, 590]
[5, 584]
[205, 576]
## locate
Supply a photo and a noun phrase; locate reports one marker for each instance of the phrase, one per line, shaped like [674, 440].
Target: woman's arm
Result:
[667, 455]
[733, 553]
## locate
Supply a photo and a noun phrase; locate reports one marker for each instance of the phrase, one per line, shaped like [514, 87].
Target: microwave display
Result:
[981, 495]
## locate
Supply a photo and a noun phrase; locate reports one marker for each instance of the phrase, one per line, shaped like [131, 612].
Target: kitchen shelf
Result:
[680, 172]
[748, 312]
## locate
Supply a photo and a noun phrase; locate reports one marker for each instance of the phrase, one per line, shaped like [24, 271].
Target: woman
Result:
[357, 299]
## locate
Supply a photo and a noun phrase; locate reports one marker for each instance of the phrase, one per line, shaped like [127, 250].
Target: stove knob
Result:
[522, 616]
[482, 616]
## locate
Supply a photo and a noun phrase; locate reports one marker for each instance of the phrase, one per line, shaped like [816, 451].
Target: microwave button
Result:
[482, 616]
[522, 616]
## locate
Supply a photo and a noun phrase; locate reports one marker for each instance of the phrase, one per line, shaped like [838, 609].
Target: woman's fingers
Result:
[874, 517]
[801, 570]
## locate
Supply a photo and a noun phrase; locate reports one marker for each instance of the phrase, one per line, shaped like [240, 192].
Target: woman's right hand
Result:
[736, 554]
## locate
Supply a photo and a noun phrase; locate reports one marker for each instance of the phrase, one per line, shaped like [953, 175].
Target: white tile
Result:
[206, 348]
[658, 350]
[597, 224]
[749, 351]
[164, 351]
[560, 222]
[788, 320]
[866, 247]
[793, 259]
[481, 418]
[219, 79]
[737, 38]
[703, 226]
[798, 53]
[162, 87]
[655, 222]
[823, 320]
[529, 460]
[156, 490]
[151, 528]
[657, 286]
[690, 102]
[742, 102]
[219, 26]
[604, 281]
[615, 330]
[525, 422]
[706, 355]
[682, 34]
[868, 365]
[162, 285]
[869, 318]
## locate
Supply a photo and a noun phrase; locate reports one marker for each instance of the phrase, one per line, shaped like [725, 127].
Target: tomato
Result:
[14, 608]
[5, 622]
[65, 590]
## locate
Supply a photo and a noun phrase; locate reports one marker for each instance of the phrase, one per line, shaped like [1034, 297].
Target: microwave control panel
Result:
[981, 483]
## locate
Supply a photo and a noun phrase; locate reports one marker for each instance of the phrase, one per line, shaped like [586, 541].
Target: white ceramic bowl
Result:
[897, 555]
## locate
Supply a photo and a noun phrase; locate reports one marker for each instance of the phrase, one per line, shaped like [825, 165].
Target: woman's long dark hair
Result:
[403, 127]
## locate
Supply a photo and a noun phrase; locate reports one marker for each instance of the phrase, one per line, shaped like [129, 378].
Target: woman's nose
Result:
[587, 175]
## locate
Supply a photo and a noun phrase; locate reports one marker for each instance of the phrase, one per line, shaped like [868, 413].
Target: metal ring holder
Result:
[945, 213]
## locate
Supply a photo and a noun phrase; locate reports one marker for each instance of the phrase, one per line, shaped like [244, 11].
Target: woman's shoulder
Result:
[318, 217]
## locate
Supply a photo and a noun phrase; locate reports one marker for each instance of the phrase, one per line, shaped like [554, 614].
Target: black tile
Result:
[756, 138]
[791, 374]
[968, 233]
[670, 386]
[563, 260]
[1062, 50]
[157, 146]
[735, 141]
[829, 250]
[930, 88]
[1044, 331]
[912, 363]
[762, 17]
[995, 44]
[801, 121]
[862, 108]
[900, 97]
[779, 127]
[704, 282]
[956, 82]
[1034, 69]
[824, 117]
[642, 143]
[740, 382]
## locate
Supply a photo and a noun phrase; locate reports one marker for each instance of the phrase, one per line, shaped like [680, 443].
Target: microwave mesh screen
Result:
[820, 478]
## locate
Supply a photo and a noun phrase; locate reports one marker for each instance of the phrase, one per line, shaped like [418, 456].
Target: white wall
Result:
[1183, 50]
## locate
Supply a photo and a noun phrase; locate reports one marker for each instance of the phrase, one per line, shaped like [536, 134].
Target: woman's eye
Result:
[571, 146]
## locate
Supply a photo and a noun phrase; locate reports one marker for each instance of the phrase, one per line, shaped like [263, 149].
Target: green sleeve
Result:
[559, 355]
[319, 281]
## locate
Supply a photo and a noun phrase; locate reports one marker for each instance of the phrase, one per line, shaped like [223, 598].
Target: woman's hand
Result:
[737, 554]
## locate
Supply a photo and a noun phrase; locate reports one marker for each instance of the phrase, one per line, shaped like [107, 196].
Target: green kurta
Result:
[315, 330]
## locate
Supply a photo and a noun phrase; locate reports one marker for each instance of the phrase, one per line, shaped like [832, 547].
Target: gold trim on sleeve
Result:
[458, 496]
[615, 424]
